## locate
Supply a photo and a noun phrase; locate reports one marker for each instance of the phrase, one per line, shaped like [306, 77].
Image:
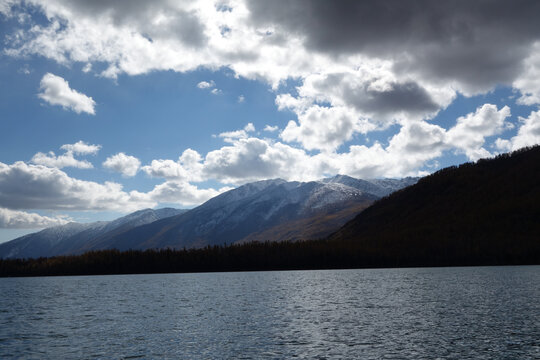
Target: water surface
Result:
[430, 313]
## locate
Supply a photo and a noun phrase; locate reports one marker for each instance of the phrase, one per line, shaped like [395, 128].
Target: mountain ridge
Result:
[267, 210]
[67, 239]
[252, 208]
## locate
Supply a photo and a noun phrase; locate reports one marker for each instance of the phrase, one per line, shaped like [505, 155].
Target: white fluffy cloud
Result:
[24, 186]
[206, 84]
[187, 168]
[528, 134]
[56, 91]
[13, 219]
[182, 192]
[527, 81]
[81, 148]
[231, 136]
[248, 158]
[50, 159]
[324, 128]
[471, 130]
[269, 128]
[67, 159]
[127, 165]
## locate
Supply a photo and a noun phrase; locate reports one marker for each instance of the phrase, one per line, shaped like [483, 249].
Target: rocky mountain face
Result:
[270, 210]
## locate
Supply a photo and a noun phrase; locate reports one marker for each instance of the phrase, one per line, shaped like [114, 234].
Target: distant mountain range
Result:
[270, 210]
[75, 238]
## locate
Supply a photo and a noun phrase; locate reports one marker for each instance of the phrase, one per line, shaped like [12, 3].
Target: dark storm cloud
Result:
[479, 43]
[407, 97]
[395, 97]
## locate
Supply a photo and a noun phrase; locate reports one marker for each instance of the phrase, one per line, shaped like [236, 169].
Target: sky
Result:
[107, 107]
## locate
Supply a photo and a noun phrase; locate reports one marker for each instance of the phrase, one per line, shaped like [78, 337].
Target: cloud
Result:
[87, 68]
[241, 99]
[373, 90]
[81, 148]
[206, 84]
[471, 130]
[246, 158]
[324, 128]
[230, 136]
[166, 169]
[187, 168]
[5, 6]
[25, 186]
[125, 164]
[269, 128]
[13, 219]
[477, 46]
[67, 159]
[528, 134]
[469, 48]
[250, 159]
[388, 63]
[56, 91]
[210, 85]
[183, 193]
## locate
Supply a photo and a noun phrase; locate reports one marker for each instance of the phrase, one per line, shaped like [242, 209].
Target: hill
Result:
[483, 212]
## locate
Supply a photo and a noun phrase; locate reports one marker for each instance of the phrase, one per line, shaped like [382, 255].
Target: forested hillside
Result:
[489, 210]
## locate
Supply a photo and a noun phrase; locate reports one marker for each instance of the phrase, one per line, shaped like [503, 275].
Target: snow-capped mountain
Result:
[378, 187]
[262, 211]
[75, 238]
[269, 210]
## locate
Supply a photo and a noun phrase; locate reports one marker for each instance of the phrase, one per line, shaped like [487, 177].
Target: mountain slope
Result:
[40, 243]
[467, 214]
[273, 210]
[74, 238]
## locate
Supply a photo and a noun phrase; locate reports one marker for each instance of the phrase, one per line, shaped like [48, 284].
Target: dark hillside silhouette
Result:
[484, 211]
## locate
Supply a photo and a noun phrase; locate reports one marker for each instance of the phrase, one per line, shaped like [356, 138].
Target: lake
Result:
[420, 313]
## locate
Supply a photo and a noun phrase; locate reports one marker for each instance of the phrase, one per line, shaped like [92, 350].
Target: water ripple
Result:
[446, 313]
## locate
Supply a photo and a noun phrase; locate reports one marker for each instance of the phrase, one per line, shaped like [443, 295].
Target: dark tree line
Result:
[318, 254]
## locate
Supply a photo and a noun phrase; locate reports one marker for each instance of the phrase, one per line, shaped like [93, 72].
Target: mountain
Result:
[486, 213]
[478, 213]
[74, 238]
[270, 210]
